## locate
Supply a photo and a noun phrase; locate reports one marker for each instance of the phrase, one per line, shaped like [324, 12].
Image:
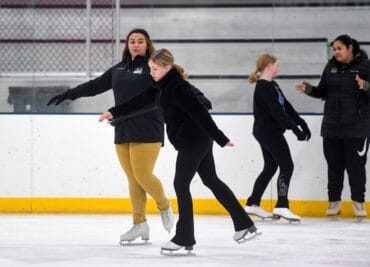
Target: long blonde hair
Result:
[164, 58]
[262, 61]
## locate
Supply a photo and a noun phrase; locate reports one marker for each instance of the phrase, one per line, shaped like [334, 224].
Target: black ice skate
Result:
[172, 249]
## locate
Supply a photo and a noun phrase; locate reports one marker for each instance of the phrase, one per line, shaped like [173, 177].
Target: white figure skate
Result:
[360, 210]
[167, 218]
[171, 249]
[255, 210]
[246, 234]
[137, 230]
[285, 213]
[333, 210]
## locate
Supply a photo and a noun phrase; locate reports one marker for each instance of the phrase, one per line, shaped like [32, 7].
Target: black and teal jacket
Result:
[273, 113]
[130, 80]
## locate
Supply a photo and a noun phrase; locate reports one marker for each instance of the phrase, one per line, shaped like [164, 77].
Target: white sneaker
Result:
[286, 214]
[334, 208]
[167, 218]
[258, 211]
[359, 209]
[137, 230]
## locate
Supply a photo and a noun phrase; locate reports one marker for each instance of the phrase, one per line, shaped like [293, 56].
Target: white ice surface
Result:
[92, 240]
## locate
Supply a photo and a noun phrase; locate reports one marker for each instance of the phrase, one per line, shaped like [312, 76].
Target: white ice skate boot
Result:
[333, 210]
[359, 209]
[170, 248]
[246, 234]
[167, 218]
[137, 230]
[285, 213]
[258, 211]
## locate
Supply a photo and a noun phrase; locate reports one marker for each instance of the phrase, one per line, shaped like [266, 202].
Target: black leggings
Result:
[200, 159]
[276, 153]
[346, 154]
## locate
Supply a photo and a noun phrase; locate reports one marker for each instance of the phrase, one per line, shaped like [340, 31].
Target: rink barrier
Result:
[304, 208]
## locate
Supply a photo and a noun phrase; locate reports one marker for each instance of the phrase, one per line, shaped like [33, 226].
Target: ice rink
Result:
[92, 240]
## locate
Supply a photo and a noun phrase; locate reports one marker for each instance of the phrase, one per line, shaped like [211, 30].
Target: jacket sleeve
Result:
[140, 103]
[367, 80]
[319, 91]
[202, 98]
[93, 87]
[268, 99]
[291, 111]
[186, 100]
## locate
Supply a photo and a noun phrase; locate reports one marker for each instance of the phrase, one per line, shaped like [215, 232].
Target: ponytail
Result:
[181, 70]
[253, 77]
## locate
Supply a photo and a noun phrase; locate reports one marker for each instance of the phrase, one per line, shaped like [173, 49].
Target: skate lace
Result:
[133, 229]
[359, 206]
[333, 205]
[165, 215]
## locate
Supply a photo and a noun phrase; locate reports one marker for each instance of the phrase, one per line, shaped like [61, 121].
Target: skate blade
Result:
[260, 218]
[290, 220]
[360, 219]
[133, 243]
[177, 253]
[249, 237]
[333, 218]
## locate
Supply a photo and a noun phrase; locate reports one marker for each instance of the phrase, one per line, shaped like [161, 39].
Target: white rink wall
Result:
[74, 156]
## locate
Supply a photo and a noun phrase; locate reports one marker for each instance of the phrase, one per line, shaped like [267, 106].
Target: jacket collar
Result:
[170, 80]
[138, 60]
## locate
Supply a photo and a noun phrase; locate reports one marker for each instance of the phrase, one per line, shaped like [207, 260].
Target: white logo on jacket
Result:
[138, 71]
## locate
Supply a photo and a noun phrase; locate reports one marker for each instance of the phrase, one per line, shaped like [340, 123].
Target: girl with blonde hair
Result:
[191, 130]
[273, 114]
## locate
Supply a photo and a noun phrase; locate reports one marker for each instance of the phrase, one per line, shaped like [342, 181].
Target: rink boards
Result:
[67, 164]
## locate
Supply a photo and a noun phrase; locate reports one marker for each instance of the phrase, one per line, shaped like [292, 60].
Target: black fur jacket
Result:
[185, 110]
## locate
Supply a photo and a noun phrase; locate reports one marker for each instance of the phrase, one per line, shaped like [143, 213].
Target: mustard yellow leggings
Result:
[138, 160]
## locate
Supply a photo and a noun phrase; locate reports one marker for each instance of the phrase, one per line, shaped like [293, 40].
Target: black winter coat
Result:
[270, 115]
[347, 108]
[130, 80]
[185, 111]
[188, 122]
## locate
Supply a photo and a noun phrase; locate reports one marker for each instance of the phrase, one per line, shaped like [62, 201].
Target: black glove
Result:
[299, 133]
[60, 98]
[305, 129]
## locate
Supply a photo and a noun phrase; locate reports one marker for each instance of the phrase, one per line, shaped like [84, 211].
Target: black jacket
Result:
[185, 111]
[270, 115]
[188, 122]
[347, 108]
[130, 80]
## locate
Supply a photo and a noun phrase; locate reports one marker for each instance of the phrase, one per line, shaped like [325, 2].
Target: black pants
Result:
[276, 153]
[200, 159]
[346, 154]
